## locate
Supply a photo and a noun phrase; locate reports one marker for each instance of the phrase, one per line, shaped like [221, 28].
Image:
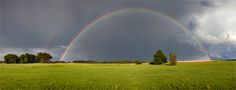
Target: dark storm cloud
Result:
[127, 36]
[192, 23]
[34, 24]
[52, 24]
[207, 3]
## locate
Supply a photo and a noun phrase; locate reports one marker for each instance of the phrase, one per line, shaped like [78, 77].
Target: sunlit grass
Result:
[198, 75]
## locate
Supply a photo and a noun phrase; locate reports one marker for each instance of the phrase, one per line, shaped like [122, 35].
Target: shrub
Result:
[138, 62]
[151, 63]
[58, 62]
[2, 62]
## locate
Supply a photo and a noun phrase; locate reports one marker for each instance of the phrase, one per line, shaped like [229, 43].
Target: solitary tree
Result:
[159, 57]
[43, 57]
[172, 58]
[11, 58]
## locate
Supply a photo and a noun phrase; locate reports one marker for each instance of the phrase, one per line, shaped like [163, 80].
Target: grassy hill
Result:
[185, 75]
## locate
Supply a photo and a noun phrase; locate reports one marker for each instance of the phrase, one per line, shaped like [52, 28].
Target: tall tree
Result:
[172, 58]
[11, 58]
[159, 57]
[43, 57]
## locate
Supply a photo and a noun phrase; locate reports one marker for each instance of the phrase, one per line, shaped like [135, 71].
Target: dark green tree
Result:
[31, 58]
[11, 58]
[43, 57]
[159, 57]
[23, 59]
[172, 57]
[138, 62]
[27, 58]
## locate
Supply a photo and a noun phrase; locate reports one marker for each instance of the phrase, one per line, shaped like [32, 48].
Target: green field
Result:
[198, 75]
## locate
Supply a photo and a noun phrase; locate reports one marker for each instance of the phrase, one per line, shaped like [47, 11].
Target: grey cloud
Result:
[208, 3]
[134, 36]
[52, 23]
[216, 30]
[39, 23]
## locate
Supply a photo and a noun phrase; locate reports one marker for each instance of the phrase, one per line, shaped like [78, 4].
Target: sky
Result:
[194, 29]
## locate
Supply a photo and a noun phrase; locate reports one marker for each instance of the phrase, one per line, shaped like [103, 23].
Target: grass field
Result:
[186, 75]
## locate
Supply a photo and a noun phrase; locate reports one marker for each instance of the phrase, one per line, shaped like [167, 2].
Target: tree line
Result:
[158, 58]
[110, 61]
[41, 57]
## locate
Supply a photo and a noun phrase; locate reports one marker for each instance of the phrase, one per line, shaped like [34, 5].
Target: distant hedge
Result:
[2, 62]
[111, 61]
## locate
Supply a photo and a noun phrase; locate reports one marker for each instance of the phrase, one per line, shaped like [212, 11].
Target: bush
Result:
[152, 63]
[85, 61]
[2, 62]
[138, 62]
[58, 62]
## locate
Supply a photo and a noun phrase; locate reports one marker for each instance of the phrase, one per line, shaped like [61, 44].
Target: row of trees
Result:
[160, 58]
[28, 58]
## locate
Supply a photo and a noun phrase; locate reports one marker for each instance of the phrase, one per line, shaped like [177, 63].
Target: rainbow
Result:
[109, 14]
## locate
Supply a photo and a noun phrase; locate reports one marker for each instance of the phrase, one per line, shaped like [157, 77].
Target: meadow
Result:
[210, 75]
